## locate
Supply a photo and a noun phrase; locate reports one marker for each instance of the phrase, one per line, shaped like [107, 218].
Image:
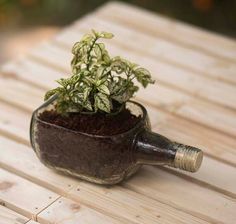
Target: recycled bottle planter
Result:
[107, 159]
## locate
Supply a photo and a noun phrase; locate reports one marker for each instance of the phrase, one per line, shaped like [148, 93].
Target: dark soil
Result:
[98, 124]
[108, 158]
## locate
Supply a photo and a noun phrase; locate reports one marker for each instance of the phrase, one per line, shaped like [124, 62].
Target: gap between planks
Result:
[8, 216]
[15, 192]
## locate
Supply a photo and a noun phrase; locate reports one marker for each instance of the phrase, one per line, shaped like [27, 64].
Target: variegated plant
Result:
[98, 81]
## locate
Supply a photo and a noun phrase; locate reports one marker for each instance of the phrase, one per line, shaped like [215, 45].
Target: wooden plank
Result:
[195, 84]
[7, 114]
[213, 116]
[159, 26]
[23, 196]
[11, 127]
[222, 175]
[195, 111]
[65, 211]
[28, 166]
[169, 188]
[9, 87]
[30, 67]
[20, 67]
[8, 216]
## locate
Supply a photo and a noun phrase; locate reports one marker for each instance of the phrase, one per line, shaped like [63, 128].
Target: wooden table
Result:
[193, 101]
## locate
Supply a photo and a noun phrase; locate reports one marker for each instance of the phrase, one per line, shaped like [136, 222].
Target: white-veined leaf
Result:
[103, 89]
[102, 102]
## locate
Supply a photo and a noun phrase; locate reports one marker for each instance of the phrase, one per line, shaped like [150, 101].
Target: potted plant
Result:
[89, 128]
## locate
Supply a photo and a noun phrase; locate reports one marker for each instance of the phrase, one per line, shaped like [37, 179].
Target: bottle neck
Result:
[154, 149]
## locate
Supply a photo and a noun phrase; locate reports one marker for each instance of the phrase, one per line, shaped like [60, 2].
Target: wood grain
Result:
[8, 216]
[23, 196]
[11, 127]
[73, 212]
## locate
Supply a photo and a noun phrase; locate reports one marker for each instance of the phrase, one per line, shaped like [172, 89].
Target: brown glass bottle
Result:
[108, 159]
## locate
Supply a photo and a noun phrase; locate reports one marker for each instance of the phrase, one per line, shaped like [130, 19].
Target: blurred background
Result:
[24, 23]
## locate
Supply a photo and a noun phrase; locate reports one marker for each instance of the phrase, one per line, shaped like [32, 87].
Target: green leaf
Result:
[75, 78]
[87, 38]
[106, 58]
[51, 93]
[98, 51]
[102, 102]
[118, 65]
[89, 81]
[86, 92]
[62, 82]
[100, 72]
[106, 35]
[118, 87]
[88, 105]
[103, 89]
[77, 97]
[125, 95]
[143, 76]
